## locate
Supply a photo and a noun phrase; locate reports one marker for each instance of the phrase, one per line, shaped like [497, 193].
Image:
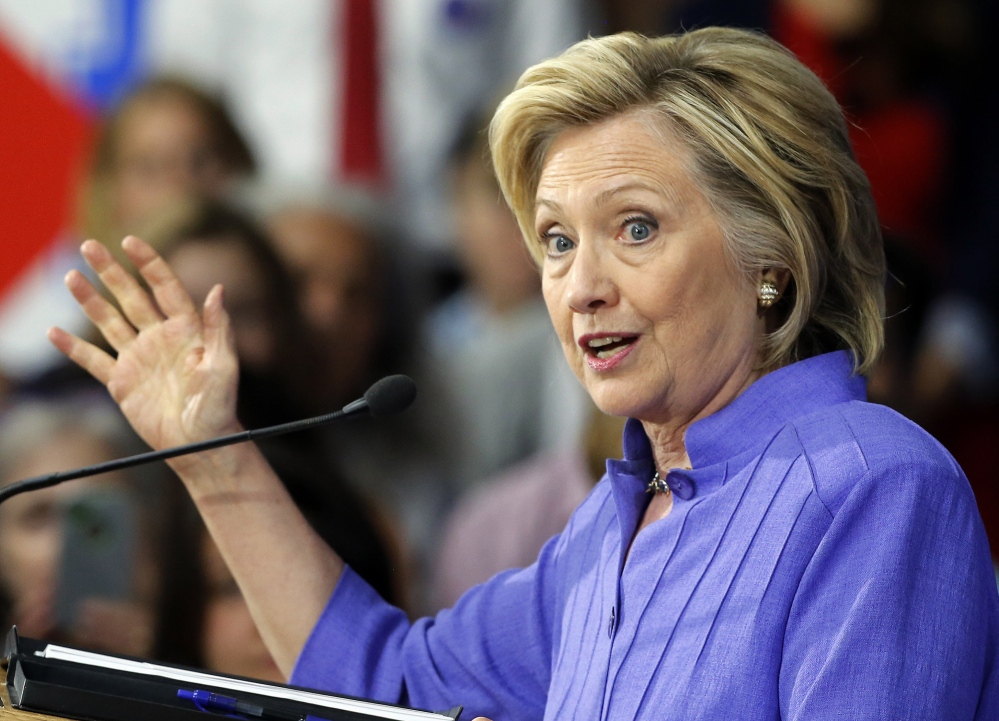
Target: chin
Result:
[619, 397]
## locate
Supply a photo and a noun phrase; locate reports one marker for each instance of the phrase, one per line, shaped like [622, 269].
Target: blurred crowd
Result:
[420, 269]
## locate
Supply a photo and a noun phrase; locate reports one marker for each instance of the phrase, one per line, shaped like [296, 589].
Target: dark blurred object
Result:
[973, 438]
[346, 293]
[865, 51]
[909, 291]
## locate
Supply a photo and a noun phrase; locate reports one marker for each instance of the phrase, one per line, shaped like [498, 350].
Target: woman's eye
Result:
[638, 230]
[560, 244]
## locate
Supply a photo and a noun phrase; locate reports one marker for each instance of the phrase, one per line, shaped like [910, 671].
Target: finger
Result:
[135, 302]
[218, 329]
[86, 355]
[104, 315]
[167, 289]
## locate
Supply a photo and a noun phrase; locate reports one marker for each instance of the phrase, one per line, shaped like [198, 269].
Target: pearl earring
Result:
[768, 294]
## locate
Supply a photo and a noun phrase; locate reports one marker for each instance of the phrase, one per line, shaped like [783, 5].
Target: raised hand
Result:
[176, 371]
[175, 379]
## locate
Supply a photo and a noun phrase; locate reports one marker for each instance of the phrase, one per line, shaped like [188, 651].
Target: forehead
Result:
[630, 148]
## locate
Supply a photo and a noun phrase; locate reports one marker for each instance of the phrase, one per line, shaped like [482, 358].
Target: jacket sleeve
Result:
[896, 615]
[491, 653]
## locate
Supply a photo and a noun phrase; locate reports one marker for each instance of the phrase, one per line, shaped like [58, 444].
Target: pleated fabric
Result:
[824, 559]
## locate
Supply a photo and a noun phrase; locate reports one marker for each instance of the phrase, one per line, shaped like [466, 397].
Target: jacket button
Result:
[681, 485]
[610, 622]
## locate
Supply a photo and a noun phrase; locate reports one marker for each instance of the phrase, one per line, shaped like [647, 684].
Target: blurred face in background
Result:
[489, 242]
[31, 542]
[164, 153]
[30, 524]
[335, 271]
[231, 643]
[200, 263]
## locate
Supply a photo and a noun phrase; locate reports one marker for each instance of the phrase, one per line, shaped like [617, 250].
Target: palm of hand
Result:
[176, 372]
[170, 388]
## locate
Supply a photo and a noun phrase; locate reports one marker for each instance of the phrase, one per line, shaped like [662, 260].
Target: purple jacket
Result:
[824, 559]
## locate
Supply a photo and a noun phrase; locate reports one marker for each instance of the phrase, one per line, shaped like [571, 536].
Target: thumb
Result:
[219, 338]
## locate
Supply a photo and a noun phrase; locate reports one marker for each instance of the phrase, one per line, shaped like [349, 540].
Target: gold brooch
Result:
[658, 485]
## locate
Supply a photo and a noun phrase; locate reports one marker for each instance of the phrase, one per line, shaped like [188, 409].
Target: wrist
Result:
[223, 470]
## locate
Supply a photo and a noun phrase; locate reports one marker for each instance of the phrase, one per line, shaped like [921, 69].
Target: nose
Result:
[590, 284]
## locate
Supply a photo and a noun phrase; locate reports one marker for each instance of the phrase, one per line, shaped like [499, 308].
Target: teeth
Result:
[600, 342]
[607, 353]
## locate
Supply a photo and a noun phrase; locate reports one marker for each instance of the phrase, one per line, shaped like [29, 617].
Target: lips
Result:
[606, 350]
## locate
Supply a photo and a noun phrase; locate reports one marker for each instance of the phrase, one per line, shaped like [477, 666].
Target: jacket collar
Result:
[717, 445]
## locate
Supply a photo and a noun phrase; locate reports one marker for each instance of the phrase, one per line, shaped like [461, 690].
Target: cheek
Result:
[553, 290]
[29, 557]
[708, 321]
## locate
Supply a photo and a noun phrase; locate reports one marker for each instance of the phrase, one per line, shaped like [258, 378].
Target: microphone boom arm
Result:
[389, 395]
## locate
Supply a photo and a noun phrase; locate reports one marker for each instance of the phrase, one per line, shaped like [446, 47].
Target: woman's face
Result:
[336, 276]
[164, 153]
[654, 317]
[31, 525]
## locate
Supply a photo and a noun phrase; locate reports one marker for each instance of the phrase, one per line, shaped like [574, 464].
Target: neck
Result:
[668, 437]
[668, 448]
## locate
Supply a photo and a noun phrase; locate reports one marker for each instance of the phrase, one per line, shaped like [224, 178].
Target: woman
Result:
[40, 436]
[165, 142]
[711, 259]
[214, 243]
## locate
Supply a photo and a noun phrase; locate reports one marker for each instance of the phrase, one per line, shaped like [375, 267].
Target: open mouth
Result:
[606, 346]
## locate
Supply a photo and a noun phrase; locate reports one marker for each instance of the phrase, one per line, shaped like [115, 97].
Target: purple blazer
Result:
[824, 559]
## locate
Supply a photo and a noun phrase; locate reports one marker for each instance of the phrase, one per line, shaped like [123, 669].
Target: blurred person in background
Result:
[211, 244]
[505, 523]
[42, 436]
[330, 248]
[360, 304]
[493, 340]
[165, 141]
[205, 620]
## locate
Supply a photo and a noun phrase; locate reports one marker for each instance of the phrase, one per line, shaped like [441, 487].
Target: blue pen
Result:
[217, 703]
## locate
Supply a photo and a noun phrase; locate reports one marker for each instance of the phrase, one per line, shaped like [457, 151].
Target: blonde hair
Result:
[769, 148]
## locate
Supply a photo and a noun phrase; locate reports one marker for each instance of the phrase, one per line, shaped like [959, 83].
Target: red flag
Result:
[360, 147]
[44, 139]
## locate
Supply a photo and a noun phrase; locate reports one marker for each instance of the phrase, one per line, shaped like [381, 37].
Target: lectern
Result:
[45, 681]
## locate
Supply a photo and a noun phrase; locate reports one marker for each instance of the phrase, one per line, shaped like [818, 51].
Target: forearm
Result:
[285, 571]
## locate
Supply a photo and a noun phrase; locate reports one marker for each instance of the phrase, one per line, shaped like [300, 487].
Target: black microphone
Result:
[391, 394]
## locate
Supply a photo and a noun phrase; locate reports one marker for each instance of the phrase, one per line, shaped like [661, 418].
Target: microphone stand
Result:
[389, 395]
